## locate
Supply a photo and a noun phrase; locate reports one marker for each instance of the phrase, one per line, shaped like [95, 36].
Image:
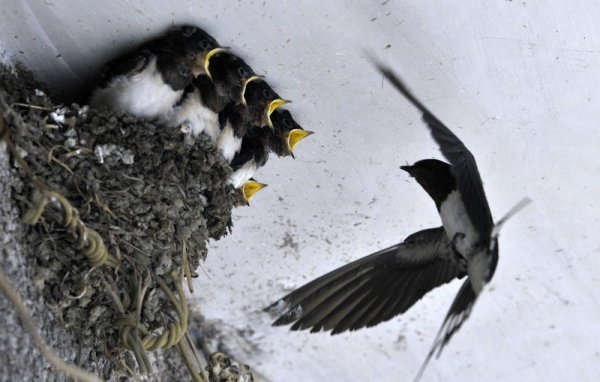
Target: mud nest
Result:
[154, 195]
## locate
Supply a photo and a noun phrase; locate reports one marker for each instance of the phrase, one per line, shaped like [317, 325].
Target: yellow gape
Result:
[250, 188]
[271, 107]
[204, 60]
[295, 136]
[245, 85]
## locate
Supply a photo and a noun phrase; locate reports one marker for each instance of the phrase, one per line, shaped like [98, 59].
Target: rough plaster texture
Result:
[517, 81]
[19, 359]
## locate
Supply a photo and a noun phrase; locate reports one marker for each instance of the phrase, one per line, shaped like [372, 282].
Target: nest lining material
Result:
[154, 195]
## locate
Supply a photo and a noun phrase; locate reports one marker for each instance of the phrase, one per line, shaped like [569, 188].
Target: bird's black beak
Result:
[408, 169]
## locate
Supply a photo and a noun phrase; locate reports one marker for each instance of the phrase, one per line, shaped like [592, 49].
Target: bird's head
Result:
[240, 74]
[434, 176]
[287, 133]
[199, 47]
[247, 191]
[261, 101]
[230, 74]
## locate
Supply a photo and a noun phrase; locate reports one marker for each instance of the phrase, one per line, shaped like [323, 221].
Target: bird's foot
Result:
[457, 237]
[185, 128]
[461, 256]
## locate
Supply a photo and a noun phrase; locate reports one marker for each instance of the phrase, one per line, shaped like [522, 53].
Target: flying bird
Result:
[387, 283]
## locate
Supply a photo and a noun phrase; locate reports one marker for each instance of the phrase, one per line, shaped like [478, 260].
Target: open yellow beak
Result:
[204, 61]
[271, 107]
[250, 188]
[295, 136]
[245, 85]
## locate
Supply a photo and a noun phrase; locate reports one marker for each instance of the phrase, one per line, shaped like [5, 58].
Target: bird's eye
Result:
[267, 93]
[242, 72]
[287, 123]
[188, 31]
[184, 71]
[204, 44]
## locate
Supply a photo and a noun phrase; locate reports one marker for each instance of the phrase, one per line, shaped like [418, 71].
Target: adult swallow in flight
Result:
[384, 284]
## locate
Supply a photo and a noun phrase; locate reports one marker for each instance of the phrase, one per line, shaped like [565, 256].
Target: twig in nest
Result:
[104, 206]
[185, 265]
[197, 374]
[109, 288]
[130, 327]
[34, 107]
[173, 333]
[52, 158]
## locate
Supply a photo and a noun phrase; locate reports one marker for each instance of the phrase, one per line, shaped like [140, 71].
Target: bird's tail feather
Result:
[459, 311]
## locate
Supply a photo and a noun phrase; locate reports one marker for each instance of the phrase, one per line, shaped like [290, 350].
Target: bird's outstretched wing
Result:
[464, 167]
[372, 289]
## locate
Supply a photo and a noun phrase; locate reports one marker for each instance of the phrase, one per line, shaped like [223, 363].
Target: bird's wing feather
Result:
[372, 289]
[459, 311]
[464, 167]
[209, 95]
[127, 65]
[245, 154]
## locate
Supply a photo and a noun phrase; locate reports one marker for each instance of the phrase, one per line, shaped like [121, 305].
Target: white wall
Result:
[518, 81]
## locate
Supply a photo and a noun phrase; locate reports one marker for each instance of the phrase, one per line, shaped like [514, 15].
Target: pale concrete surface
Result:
[517, 81]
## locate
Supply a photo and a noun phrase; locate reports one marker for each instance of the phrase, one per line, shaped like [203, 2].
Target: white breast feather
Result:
[198, 117]
[228, 143]
[144, 95]
[243, 174]
[456, 220]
